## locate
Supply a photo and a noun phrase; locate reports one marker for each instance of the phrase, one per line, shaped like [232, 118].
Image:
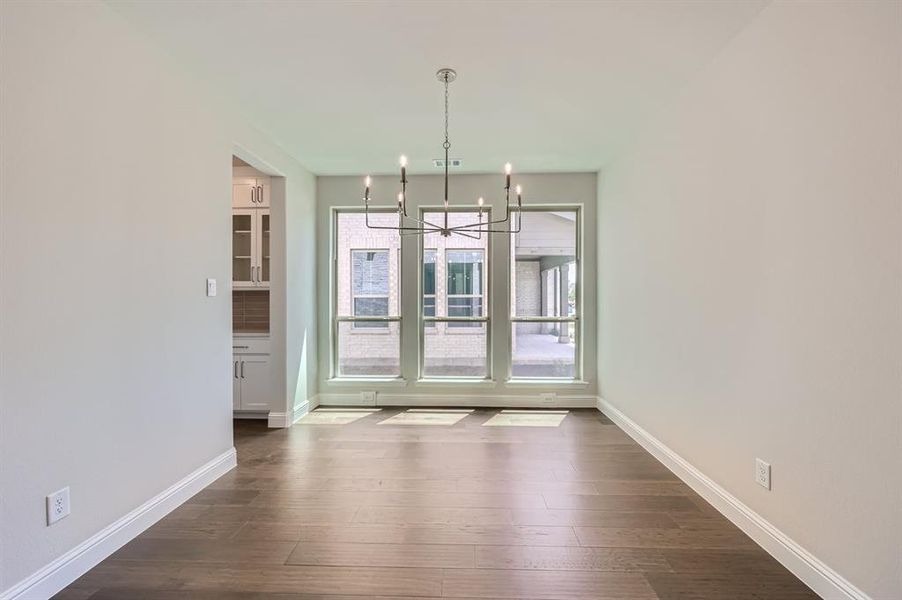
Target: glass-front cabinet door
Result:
[243, 246]
[263, 263]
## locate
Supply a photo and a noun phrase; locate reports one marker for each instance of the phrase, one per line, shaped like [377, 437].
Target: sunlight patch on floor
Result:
[424, 417]
[527, 418]
[334, 417]
[347, 409]
[440, 410]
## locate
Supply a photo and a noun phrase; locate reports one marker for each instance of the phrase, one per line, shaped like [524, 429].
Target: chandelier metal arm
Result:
[423, 222]
[489, 230]
[467, 235]
[421, 232]
[366, 210]
[479, 229]
[399, 227]
[487, 226]
[487, 223]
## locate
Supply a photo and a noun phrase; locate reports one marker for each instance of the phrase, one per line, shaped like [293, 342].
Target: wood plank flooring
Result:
[341, 512]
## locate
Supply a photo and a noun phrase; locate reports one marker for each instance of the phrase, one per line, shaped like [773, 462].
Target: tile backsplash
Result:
[250, 311]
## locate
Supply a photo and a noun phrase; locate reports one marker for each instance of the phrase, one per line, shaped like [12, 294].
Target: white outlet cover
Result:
[762, 473]
[211, 287]
[58, 505]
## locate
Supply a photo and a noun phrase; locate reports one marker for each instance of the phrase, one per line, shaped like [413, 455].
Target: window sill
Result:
[566, 383]
[367, 381]
[370, 331]
[455, 381]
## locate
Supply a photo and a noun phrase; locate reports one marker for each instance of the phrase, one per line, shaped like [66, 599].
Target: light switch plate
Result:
[211, 287]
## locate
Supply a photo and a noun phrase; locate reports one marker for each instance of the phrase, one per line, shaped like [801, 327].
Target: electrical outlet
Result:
[548, 398]
[368, 398]
[762, 473]
[57, 505]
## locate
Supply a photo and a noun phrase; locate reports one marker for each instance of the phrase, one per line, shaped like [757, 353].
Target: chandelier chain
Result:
[447, 143]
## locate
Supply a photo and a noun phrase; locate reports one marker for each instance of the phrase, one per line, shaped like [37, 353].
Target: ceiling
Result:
[346, 87]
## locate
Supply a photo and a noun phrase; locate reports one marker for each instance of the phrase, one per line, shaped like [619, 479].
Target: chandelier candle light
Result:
[408, 225]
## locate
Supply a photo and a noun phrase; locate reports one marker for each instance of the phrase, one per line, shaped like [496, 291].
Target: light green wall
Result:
[539, 189]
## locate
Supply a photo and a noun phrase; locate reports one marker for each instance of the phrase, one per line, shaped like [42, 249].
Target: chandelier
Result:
[408, 225]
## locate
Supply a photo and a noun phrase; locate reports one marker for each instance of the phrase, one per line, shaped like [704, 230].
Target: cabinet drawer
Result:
[250, 345]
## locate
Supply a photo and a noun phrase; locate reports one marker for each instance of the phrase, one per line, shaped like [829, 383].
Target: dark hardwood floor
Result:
[337, 512]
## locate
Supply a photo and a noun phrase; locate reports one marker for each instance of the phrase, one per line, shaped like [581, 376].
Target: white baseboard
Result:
[281, 420]
[255, 415]
[461, 400]
[277, 420]
[302, 409]
[76, 562]
[812, 571]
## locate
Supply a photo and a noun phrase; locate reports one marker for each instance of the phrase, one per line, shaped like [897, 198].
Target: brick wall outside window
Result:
[452, 346]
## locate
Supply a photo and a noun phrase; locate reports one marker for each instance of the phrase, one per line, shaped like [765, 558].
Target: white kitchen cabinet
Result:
[251, 387]
[236, 383]
[244, 243]
[255, 382]
[243, 194]
[250, 248]
[250, 229]
[250, 192]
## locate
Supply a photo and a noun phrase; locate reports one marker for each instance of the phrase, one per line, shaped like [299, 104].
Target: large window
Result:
[366, 333]
[452, 287]
[455, 299]
[544, 289]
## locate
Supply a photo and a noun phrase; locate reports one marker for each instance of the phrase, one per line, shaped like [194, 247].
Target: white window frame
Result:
[575, 319]
[337, 319]
[486, 308]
